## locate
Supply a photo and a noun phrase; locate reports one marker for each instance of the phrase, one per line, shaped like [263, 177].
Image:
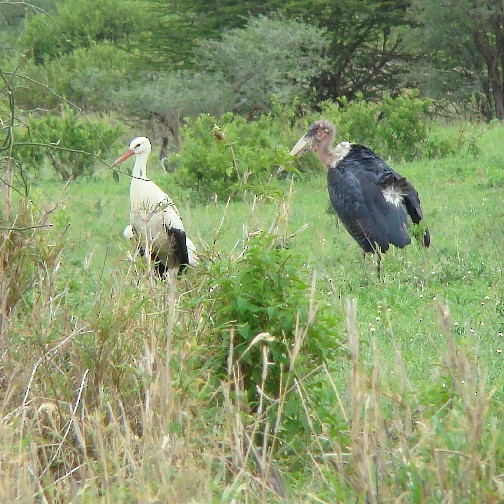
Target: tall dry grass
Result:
[110, 398]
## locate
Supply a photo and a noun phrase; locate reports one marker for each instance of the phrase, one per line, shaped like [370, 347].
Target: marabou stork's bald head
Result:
[320, 136]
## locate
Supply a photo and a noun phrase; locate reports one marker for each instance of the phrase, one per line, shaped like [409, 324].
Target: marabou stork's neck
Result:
[140, 166]
[329, 154]
[326, 153]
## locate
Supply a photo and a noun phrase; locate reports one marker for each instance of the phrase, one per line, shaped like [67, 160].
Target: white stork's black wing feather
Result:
[179, 247]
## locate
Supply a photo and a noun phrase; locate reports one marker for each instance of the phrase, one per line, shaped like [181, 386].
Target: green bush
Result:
[396, 127]
[25, 156]
[67, 140]
[232, 157]
[78, 24]
[260, 304]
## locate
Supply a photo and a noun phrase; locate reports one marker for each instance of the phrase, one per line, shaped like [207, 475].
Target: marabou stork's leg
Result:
[376, 252]
[378, 263]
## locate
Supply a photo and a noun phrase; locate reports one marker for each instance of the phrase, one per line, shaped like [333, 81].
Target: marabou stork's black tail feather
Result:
[411, 202]
[426, 238]
[397, 227]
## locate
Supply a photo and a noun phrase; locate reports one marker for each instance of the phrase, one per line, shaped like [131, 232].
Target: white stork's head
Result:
[140, 146]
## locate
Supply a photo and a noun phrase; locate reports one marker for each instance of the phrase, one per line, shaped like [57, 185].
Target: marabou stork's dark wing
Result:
[356, 193]
[361, 158]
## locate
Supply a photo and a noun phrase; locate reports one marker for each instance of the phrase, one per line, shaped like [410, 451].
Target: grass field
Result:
[109, 393]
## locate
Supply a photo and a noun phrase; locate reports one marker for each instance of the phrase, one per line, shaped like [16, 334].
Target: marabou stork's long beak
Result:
[123, 157]
[304, 144]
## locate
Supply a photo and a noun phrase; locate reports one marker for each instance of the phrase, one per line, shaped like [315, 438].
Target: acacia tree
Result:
[367, 47]
[364, 43]
[240, 73]
[462, 51]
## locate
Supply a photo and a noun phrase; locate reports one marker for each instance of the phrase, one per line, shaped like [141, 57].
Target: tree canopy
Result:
[365, 38]
[462, 52]
[218, 56]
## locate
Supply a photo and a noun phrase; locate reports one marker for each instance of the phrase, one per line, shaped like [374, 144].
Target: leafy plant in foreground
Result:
[267, 329]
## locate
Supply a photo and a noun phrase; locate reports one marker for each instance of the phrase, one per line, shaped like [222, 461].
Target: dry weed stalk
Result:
[474, 466]
[24, 250]
[366, 418]
[243, 432]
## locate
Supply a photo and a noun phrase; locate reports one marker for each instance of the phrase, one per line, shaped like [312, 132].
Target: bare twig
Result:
[22, 229]
[63, 99]
[69, 426]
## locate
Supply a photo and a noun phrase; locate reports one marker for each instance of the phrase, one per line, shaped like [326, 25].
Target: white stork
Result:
[155, 222]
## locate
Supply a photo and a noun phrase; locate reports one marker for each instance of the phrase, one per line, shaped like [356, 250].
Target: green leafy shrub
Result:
[68, 141]
[439, 146]
[16, 158]
[259, 305]
[77, 24]
[232, 157]
[396, 127]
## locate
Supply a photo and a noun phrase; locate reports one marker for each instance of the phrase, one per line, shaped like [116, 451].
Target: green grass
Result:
[108, 386]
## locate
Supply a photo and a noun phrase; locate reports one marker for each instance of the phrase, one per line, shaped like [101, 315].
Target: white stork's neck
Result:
[140, 166]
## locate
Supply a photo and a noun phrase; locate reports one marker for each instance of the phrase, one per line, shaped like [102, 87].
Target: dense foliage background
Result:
[226, 56]
[154, 64]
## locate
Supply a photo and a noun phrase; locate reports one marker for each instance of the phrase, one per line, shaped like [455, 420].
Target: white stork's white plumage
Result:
[155, 222]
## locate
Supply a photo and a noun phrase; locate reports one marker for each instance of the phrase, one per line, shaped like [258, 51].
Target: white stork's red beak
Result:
[123, 157]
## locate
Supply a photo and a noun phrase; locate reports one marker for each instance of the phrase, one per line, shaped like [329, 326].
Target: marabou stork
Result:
[155, 222]
[371, 199]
